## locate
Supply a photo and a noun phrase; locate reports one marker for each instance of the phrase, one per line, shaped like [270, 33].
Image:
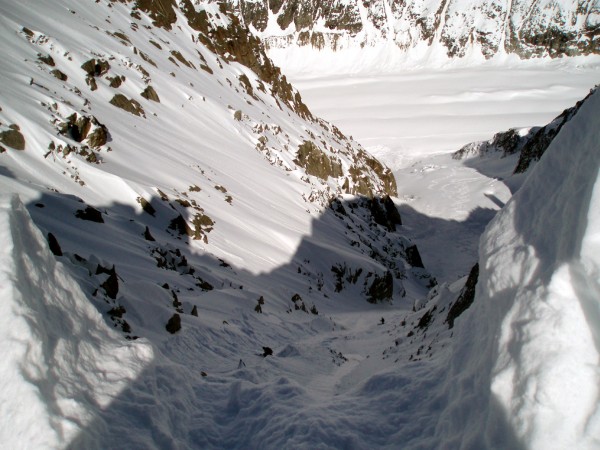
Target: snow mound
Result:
[61, 361]
[533, 333]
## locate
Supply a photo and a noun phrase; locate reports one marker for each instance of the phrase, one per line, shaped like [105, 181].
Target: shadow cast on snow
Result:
[174, 404]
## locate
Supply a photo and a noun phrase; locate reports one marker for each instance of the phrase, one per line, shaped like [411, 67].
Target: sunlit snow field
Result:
[414, 120]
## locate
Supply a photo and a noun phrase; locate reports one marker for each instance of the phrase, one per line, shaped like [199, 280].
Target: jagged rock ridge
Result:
[526, 27]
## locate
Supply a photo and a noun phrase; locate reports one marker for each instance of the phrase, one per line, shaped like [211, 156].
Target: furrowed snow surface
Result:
[61, 364]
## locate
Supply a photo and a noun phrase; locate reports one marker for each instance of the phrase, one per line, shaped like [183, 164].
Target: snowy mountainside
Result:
[527, 28]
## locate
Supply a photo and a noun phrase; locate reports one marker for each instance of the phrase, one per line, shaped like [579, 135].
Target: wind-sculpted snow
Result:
[61, 362]
[530, 342]
[191, 259]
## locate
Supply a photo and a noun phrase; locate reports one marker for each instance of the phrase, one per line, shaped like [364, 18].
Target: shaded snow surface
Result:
[61, 363]
[521, 367]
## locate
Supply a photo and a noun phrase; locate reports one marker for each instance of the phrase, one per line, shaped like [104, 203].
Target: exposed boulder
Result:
[174, 324]
[148, 236]
[89, 213]
[54, 246]
[95, 68]
[59, 75]
[150, 94]
[179, 225]
[111, 285]
[130, 105]
[80, 128]
[13, 138]
[46, 59]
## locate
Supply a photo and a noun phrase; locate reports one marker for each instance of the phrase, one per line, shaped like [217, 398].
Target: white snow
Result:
[518, 370]
[426, 111]
[417, 118]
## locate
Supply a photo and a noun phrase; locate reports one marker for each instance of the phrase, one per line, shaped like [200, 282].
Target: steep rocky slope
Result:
[527, 28]
[168, 121]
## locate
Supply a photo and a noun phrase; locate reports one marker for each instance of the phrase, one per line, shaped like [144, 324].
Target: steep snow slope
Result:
[213, 221]
[528, 349]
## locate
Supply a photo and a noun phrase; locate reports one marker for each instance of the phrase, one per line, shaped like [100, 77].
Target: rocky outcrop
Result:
[83, 127]
[466, 297]
[317, 163]
[537, 144]
[128, 104]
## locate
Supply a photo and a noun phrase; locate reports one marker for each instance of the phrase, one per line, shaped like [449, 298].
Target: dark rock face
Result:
[174, 324]
[536, 145]
[466, 297]
[385, 213]
[381, 289]
[111, 285]
[54, 246]
[89, 213]
[413, 257]
[530, 145]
